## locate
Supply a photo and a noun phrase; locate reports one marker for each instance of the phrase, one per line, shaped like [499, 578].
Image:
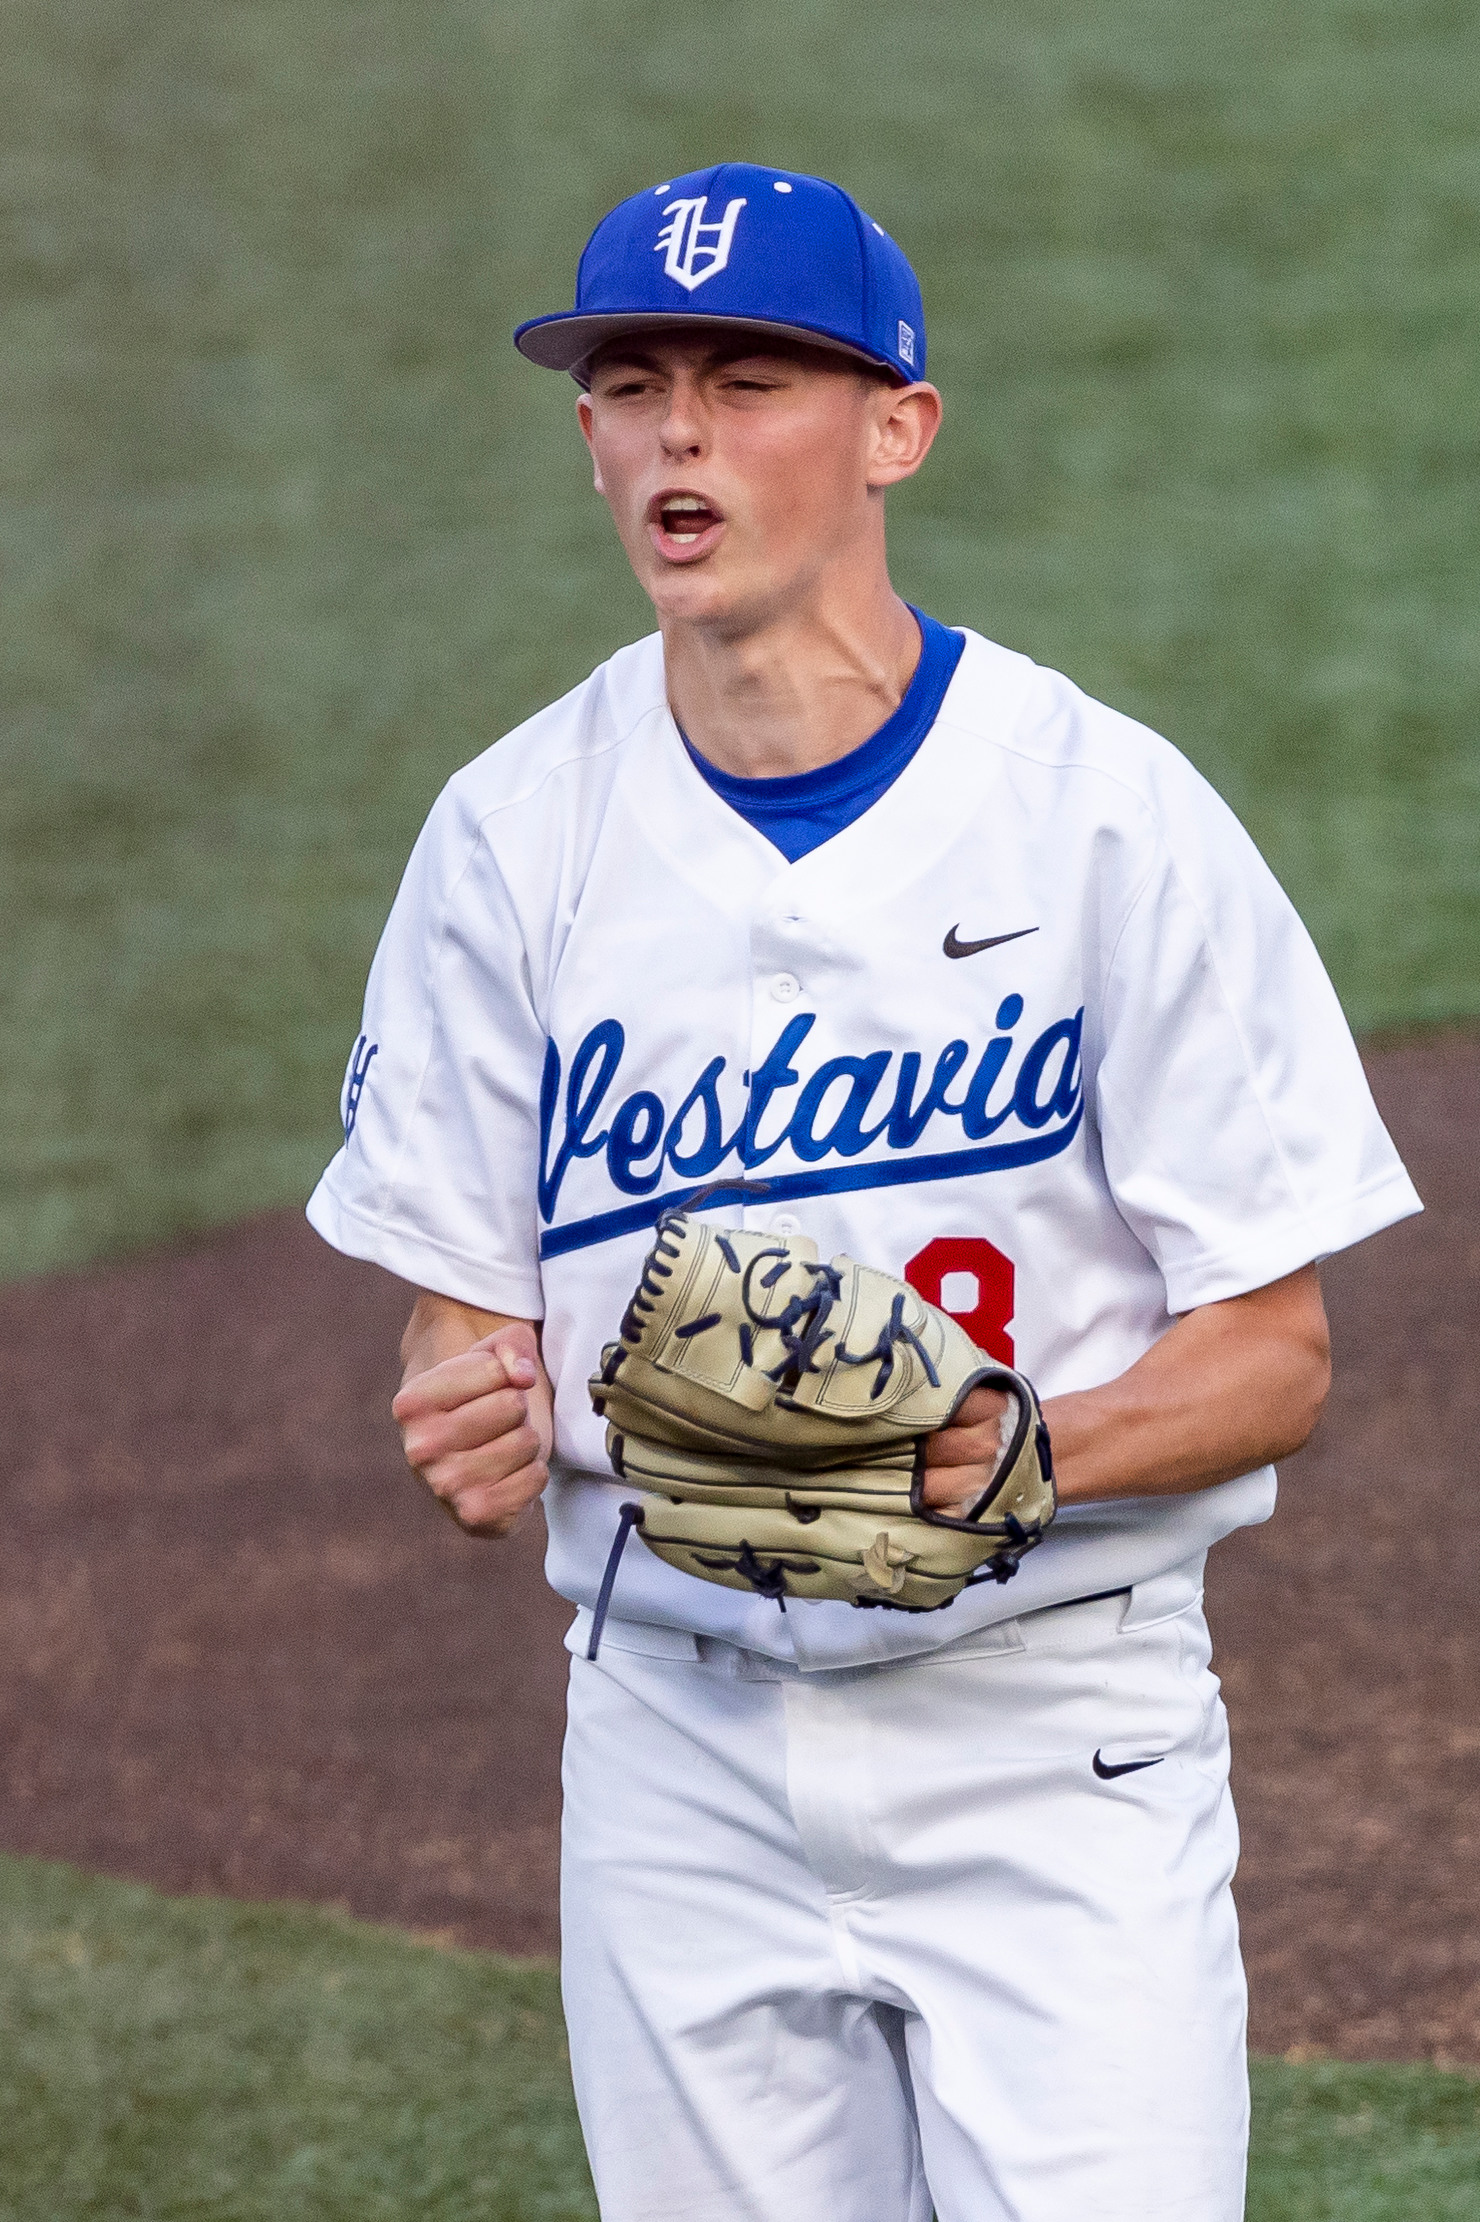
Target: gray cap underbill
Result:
[567, 342]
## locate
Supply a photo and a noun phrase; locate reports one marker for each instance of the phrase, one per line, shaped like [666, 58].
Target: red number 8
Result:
[971, 1279]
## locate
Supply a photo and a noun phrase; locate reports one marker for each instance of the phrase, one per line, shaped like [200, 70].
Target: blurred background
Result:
[287, 533]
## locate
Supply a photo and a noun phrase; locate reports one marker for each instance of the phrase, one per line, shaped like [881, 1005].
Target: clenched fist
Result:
[961, 1457]
[476, 1425]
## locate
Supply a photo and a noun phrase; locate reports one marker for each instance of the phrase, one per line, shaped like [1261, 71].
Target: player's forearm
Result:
[440, 1327]
[1228, 1388]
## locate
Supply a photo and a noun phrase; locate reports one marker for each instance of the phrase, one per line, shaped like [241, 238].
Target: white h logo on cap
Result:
[690, 241]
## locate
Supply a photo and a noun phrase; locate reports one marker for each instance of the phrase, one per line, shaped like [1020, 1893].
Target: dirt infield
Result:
[242, 1653]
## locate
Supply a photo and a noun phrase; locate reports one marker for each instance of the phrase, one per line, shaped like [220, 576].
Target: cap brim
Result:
[567, 341]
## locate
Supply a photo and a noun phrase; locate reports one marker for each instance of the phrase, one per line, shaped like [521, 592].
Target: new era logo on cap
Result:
[771, 252]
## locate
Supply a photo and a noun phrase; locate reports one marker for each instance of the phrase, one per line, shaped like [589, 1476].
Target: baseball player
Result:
[871, 935]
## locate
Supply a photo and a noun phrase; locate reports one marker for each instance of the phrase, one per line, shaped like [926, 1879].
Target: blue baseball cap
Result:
[762, 250]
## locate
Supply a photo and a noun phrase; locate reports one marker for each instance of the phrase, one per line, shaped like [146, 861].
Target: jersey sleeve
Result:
[1239, 1135]
[436, 1180]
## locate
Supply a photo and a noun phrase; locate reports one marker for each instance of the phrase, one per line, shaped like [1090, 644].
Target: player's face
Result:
[736, 480]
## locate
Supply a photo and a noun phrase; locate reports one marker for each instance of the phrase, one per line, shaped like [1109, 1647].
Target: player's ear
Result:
[905, 422]
[583, 415]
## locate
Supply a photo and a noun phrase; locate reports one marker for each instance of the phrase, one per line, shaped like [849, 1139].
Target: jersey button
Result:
[786, 987]
[785, 1224]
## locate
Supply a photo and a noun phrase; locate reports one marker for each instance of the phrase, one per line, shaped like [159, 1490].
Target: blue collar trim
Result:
[803, 809]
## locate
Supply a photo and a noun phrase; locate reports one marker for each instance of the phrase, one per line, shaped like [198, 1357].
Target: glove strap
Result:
[629, 1518]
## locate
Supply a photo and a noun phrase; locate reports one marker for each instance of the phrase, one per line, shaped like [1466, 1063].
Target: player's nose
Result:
[683, 430]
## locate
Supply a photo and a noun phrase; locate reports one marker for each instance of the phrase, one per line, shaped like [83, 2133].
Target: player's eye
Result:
[626, 384]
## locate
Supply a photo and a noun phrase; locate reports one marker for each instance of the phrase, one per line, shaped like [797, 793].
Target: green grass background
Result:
[288, 531]
[195, 2058]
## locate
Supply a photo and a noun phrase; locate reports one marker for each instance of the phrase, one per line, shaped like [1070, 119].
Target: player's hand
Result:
[478, 1428]
[961, 1457]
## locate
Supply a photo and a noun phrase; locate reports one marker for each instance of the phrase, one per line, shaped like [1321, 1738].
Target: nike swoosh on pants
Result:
[1108, 1773]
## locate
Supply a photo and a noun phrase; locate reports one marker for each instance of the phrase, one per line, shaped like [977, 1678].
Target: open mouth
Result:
[684, 519]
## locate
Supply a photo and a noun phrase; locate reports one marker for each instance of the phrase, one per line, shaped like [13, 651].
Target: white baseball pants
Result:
[844, 1947]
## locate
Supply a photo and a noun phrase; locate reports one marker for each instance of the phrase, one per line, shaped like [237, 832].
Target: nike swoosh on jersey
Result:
[956, 948]
[1126, 1767]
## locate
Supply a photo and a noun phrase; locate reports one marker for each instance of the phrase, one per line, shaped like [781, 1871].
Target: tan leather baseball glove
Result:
[773, 1413]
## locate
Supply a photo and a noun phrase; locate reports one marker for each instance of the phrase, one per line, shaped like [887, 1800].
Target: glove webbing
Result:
[801, 1325]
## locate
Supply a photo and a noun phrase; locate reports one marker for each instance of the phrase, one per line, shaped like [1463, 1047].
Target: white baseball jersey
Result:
[1039, 1030]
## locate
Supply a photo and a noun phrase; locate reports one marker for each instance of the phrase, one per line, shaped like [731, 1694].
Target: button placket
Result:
[775, 942]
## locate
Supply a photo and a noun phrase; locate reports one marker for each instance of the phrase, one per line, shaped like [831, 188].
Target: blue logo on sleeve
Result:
[354, 1081]
[828, 1117]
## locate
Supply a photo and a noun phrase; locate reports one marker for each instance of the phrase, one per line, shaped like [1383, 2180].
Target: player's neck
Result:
[800, 689]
